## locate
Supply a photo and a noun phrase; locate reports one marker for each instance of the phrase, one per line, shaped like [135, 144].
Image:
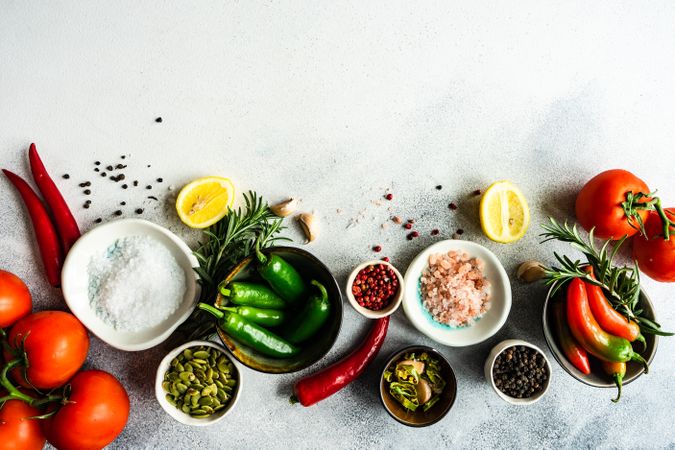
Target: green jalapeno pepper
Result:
[310, 319]
[251, 334]
[264, 317]
[251, 294]
[282, 277]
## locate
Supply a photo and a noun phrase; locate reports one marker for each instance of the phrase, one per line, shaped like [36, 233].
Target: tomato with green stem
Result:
[19, 429]
[654, 254]
[93, 414]
[15, 299]
[55, 345]
[615, 203]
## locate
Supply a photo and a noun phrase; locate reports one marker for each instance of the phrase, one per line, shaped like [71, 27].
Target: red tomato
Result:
[56, 344]
[17, 430]
[655, 255]
[599, 203]
[15, 300]
[95, 414]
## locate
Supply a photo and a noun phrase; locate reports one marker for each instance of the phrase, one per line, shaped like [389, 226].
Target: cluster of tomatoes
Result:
[616, 203]
[44, 396]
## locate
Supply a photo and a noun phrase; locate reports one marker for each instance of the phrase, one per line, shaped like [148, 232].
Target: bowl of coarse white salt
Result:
[130, 282]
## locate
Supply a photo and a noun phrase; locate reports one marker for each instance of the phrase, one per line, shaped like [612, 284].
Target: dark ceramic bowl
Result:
[435, 413]
[597, 377]
[312, 351]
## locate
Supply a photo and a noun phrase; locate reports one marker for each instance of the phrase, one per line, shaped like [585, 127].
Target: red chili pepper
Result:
[617, 370]
[323, 384]
[610, 320]
[63, 218]
[574, 352]
[588, 332]
[45, 233]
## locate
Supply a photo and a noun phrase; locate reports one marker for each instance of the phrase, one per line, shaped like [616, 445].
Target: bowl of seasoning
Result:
[417, 386]
[375, 289]
[197, 384]
[518, 371]
[457, 293]
[278, 312]
[130, 282]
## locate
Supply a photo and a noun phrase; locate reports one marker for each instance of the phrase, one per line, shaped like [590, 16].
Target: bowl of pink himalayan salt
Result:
[457, 293]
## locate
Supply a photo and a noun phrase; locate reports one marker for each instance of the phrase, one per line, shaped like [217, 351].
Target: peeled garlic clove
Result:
[530, 271]
[285, 208]
[309, 225]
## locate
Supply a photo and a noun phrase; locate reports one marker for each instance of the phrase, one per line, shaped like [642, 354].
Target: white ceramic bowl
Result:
[74, 281]
[490, 362]
[393, 305]
[483, 328]
[177, 413]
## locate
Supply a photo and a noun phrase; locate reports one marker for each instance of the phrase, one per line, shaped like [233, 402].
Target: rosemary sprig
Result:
[621, 283]
[227, 242]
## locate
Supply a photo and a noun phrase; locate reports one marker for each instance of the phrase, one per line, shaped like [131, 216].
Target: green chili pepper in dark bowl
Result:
[281, 276]
[264, 317]
[311, 318]
[251, 334]
[243, 293]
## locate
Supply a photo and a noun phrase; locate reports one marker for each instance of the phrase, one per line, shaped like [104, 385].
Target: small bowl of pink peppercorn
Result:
[375, 289]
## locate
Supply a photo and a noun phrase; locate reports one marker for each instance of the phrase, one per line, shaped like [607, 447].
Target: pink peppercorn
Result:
[377, 248]
[407, 226]
[389, 196]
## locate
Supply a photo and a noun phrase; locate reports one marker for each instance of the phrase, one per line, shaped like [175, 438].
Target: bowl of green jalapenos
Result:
[278, 311]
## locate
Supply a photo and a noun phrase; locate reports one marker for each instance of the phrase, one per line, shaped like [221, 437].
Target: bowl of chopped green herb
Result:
[418, 386]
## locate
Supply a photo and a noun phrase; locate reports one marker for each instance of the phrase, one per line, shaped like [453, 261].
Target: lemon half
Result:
[205, 201]
[504, 214]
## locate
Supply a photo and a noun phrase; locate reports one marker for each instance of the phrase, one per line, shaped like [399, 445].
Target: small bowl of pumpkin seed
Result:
[197, 383]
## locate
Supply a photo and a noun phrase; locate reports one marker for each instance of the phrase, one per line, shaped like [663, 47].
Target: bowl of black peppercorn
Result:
[519, 372]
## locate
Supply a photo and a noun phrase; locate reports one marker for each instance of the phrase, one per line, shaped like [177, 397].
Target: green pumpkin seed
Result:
[198, 411]
[231, 382]
[200, 374]
[201, 354]
[218, 408]
[174, 362]
[187, 354]
[205, 401]
[188, 367]
[219, 384]
[199, 416]
[199, 361]
[186, 376]
[181, 388]
[215, 402]
[223, 367]
[166, 386]
[170, 399]
[186, 409]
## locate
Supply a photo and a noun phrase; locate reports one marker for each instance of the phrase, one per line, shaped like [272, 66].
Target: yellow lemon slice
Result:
[504, 215]
[205, 201]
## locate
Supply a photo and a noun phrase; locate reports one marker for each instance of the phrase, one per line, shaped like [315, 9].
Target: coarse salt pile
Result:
[454, 290]
[135, 284]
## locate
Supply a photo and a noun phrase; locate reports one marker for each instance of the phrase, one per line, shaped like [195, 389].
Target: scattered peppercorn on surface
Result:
[339, 106]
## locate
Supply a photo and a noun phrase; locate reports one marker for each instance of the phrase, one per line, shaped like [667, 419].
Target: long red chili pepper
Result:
[574, 352]
[63, 218]
[588, 332]
[45, 233]
[610, 320]
[323, 384]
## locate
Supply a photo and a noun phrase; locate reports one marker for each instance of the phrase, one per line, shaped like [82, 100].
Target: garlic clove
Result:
[285, 208]
[309, 225]
[530, 271]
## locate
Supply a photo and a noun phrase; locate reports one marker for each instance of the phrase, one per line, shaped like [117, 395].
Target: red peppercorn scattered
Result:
[389, 196]
[415, 234]
[377, 248]
[407, 226]
[452, 206]
[435, 232]
[386, 259]
[375, 286]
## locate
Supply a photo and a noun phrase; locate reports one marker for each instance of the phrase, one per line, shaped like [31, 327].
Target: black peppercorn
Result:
[139, 211]
[66, 176]
[118, 213]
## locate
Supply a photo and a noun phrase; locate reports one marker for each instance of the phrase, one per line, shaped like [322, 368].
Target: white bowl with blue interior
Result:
[484, 326]
[75, 282]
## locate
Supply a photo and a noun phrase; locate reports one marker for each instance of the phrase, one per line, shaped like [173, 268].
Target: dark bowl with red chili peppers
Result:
[375, 289]
[597, 378]
[310, 268]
